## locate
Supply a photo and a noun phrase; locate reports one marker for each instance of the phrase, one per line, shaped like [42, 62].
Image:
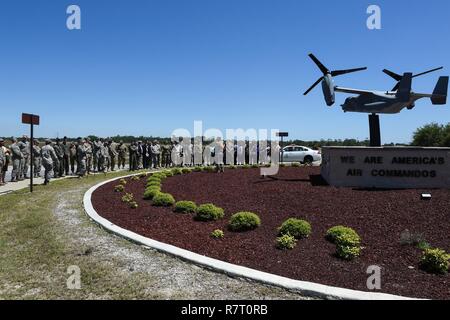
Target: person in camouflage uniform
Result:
[112, 148]
[122, 154]
[73, 157]
[24, 146]
[36, 159]
[58, 167]
[16, 157]
[49, 157]
[95, 154]
[105, 159]
[81, 157]
[133, 156]
[88, 148]
[165, 156]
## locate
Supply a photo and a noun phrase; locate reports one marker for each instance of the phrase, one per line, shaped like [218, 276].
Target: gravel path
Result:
[160, 276]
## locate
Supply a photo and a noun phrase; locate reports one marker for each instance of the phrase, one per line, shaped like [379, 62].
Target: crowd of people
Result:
[84, 156]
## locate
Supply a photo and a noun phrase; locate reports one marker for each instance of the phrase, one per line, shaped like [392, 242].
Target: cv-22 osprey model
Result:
[378, 102]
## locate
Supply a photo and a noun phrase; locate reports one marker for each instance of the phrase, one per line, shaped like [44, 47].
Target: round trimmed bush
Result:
[163, 200]
[254, 166]
[119, 188]
[123, 181]
[133, 204]
[168, 173]
[348, 246]
[135, 178]
[296, 164]
[185, 207]
[198, 169]
[295, 227]
[209, 212]
[244, 221]
[435, 261]
[217, 234]
[153, 183]
[186, 170]
[151, 192]
[334, 232]
[286, 242]
[155, 178]
[232, 167]
[128, 197]
[176, 171]
[246, 166]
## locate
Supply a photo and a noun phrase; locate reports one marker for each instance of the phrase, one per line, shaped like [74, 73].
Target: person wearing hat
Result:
[16, 157]
[156, 153]
[122, 154]
[81, 157]
[24, 146]
[49, 158]
[36, 159]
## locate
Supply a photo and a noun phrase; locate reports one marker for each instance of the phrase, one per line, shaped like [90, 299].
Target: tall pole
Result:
[31, 159]
[282, 150]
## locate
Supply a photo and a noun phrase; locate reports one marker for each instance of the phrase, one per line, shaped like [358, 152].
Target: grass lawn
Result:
[35, 250]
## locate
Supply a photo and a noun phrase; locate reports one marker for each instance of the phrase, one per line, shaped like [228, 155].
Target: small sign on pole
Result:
[32, 120]
[282, 135]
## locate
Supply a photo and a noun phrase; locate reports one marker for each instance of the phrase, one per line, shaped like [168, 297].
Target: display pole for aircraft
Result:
[375, 132]
[32, 120]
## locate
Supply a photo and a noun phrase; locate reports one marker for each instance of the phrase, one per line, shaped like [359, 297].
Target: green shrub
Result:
[347, 252]
[295, 227]
[160, 175]
[123, 181]
[217, 234]
[153, 183]
[119, 188]
[209, 212]
[151, 192]
[133, 204]
[435, 261]
[128, 197]
[254, 166]
[296, 165]
[135, 178]
[282, 165]
[143, 175]
[246, 166]
[168, 173]
[243, 221]
[232, 167]
[163, 200]
[348, 246]
[185, 170]
[198, 169]
[286, 242]
[334, 232]
[176, 171]
[211, 169]
[154, 178]
[185, 207]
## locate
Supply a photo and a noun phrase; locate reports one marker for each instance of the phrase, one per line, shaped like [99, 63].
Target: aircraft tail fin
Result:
[404, 87]
[439, 96]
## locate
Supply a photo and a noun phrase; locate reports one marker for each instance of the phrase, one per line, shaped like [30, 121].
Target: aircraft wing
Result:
[356, 91]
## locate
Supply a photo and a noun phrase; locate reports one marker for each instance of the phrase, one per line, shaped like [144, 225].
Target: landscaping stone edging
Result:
[306, 288]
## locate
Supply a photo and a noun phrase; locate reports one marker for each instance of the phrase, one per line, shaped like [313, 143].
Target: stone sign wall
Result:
[386, 167]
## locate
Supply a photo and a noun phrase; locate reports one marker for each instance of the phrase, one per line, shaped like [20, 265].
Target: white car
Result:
[302, 154]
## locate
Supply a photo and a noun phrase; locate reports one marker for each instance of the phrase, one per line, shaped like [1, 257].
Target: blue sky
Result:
[149, 67]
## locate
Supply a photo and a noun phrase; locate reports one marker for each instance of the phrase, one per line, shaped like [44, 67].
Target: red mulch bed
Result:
[378, 216]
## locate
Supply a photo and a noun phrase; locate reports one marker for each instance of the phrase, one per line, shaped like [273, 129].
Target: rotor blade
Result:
[341, 72]
[393, 74]
[396, 87]
[313, 86]
[429, 71]
[319, 64]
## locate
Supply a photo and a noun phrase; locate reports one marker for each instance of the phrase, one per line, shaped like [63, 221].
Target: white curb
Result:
[306, 288]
